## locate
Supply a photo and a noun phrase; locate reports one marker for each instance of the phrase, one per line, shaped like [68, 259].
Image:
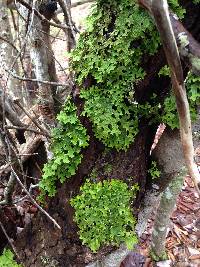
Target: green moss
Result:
[154, 171]
[195, 62]
[109, 53]
[118, 37]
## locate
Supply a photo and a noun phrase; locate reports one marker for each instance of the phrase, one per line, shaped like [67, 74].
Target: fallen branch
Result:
[26, 150]
[159, 11]
[161, 15]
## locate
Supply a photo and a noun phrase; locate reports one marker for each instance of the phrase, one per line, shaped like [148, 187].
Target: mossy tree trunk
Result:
[40, 244]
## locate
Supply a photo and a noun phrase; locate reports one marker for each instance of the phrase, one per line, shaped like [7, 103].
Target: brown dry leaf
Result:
[194, 257]
[180, 230]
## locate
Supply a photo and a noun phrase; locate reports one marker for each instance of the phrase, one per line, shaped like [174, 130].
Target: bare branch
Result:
[75, 4]
[10, 112]
[8, 238]
[189, 48]
[27, 150]
[38, 81]
[26, 128]
[33, 119]
[7, 41]
[159, 10]
[33, 200]
[40, 16]
[78, 3]
[71, 38]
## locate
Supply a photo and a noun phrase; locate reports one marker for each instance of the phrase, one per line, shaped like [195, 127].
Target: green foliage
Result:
[114, 123]
[119, 35]
[67, 141]
[109, 52]
[162, 257]
[154, 171]
[177, 9]
[6, 259]
[196, 1]
[103, 214]
[170, 116]
[165, 71]
[193, 86]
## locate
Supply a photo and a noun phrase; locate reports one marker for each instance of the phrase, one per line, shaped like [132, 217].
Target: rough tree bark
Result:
[15, 87]
[169, 156]
[42, 57]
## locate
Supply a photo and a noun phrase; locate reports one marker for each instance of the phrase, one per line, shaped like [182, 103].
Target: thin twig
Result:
[9, 240]
[68, 20]
[33, 200]
[9, 42]
[160, 12]
[75, 4]
[37, 81]
[40, 16]
[78, 3]
[16, 101]
[26, 128]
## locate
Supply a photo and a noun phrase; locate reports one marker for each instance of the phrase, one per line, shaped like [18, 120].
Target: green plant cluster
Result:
[103, 214]
[154, 171]
[170, 116]
[6, 259]
[67, 141]
[119, 34]
[110, 53]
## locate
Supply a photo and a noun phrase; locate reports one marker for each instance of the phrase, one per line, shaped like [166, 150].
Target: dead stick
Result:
[160, 12]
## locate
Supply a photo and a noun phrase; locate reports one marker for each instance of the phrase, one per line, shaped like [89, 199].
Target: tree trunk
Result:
[8, 54]
[64, 247]
[40, 244]
[42, 58]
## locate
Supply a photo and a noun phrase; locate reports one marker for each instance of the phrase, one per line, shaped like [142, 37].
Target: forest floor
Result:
[183, 239]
